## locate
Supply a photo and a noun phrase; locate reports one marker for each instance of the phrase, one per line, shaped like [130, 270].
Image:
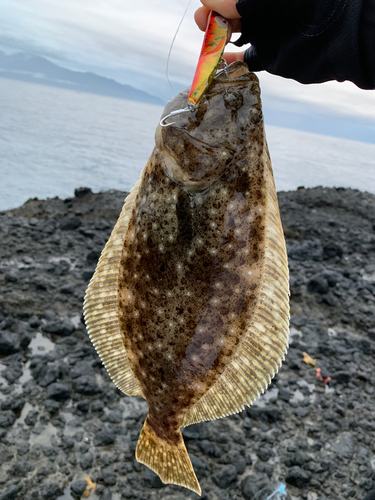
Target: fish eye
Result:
[233, 100]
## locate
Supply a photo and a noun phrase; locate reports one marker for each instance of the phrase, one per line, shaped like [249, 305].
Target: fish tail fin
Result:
[171, 462]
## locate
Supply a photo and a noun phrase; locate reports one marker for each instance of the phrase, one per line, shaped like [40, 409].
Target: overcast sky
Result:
[130, 40]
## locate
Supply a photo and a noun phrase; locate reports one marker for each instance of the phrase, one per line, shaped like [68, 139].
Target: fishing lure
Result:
[210, 57]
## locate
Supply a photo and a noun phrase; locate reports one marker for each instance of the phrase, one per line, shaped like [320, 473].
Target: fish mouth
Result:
[193, 163]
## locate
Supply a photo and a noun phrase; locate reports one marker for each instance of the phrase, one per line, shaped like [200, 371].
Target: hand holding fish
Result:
[299, 40]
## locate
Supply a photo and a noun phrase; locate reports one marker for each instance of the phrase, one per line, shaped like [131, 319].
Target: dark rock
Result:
[15, 403]
[68, 289]
[70, 224]
[256, 486]
[45, 375]
[106, 495]
[34, 322]
[318, 284]
[331, 250]
[201, 468]
[107, 476]
[264, 452]
[7, 418]
[210, 449]
[151, 479]
[329, 299]
[61, 268]
[52, 406]
[83, 405]
[87, 460]
[235, 458]
[269, 414]
[114, 417]
[87, 274]
[341, 377]
[26, 338]
[61, 327]
[86, 384]
[93, 257]
[284, 394]
[9, 342]
[301, 413]
[97, 405]
[104, 437]
[6, 454]
[81, 368]
[51, 491]
[11, 493]
[50, 451]
[81, 192]
[226, 475]
[365, 346]
[20, 468]
[306, 250]
[195, 431]
[333, 278]
[298, 477]
[58, 392]
[12, 276]
[22, 447]
[298, 321]
[370, 495]
[12, 373]
[299, 458]
[344, 446]
[78, 487]
[31, 418]
[67, 443]
[49, 226]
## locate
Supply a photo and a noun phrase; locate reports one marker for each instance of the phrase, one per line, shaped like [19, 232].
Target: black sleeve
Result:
[311, 41]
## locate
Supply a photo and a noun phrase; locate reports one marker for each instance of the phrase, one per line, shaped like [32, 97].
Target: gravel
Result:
[64, 424]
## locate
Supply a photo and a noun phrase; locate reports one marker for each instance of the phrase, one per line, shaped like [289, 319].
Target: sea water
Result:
[53, 140]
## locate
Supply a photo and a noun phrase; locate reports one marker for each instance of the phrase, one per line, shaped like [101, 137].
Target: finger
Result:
[227, 8]
[236, 25]
[231, 57]
[201, 17]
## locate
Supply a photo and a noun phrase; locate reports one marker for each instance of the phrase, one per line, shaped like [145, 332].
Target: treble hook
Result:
[189, 109]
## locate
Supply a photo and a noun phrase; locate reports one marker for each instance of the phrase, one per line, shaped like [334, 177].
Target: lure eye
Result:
[222, 22]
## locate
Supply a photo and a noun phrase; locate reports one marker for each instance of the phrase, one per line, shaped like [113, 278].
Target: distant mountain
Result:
[29, 68]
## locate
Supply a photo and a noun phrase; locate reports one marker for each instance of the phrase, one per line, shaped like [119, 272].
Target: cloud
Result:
[129, 40]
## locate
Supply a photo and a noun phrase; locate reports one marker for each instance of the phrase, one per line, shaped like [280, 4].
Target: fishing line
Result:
[170, 52]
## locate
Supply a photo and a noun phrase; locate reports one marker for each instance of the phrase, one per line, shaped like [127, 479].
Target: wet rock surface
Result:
[64, 425]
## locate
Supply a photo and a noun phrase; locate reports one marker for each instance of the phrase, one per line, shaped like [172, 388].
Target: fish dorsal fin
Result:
[101, 305]
[265, 343]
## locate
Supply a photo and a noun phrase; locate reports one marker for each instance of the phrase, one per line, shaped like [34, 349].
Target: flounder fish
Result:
[189, 304]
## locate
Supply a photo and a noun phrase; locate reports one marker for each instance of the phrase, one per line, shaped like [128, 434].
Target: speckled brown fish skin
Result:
[188, 306]
[193, 253]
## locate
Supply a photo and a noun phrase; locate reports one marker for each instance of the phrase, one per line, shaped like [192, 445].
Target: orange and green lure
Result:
[212, 49]
[211, 55]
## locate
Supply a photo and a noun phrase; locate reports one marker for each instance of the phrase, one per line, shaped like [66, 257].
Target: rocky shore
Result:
[64, 426]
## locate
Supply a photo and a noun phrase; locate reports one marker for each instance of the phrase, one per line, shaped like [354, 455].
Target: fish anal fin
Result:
[169, 461]
[101, 306]
[263, 346]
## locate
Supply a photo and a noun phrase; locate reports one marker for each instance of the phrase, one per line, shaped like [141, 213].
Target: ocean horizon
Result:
[54, 140]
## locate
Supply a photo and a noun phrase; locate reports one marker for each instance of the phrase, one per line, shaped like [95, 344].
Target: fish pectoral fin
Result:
[101, 306]
[169, 461]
